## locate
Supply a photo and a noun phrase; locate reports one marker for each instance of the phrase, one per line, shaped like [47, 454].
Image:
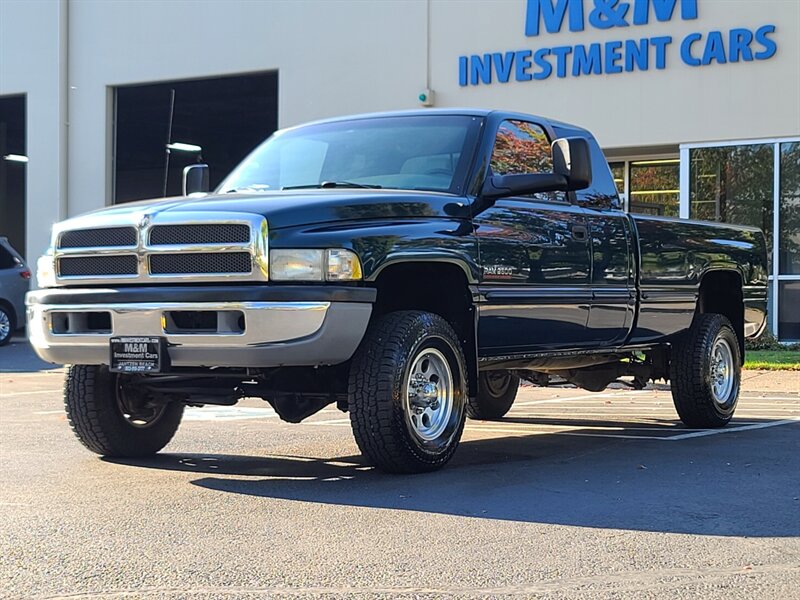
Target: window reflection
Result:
[655, 187]
[521, 148]
[789, 237]
[788, 313]
[734, 185]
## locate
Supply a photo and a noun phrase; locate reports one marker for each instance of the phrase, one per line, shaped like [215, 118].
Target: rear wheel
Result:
[115, 419]
[6, 325]
[706, 371]
[407, 392]
[496, 393]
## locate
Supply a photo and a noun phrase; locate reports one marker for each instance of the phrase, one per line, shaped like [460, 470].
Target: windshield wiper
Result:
[332, 184]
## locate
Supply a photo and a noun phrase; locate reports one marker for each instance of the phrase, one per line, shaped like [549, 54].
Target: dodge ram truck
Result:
[410, 268]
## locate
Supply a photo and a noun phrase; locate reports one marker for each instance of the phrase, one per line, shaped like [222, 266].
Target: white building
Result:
[697, 102]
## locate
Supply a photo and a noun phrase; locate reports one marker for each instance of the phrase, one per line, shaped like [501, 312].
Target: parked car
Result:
[409, 268]
[14, 284]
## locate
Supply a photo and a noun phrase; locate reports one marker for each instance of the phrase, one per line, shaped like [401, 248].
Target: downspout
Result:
[63, 92]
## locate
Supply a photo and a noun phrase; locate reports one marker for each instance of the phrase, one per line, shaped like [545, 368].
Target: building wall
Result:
[338, 57]
[33, 62]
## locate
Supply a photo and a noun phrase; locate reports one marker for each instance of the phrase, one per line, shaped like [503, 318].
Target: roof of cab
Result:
[467, 112]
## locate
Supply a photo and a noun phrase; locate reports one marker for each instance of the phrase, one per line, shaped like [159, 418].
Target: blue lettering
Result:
[663, 10]
[770, 47]
[637, 53]
[561, 52]
[608, 14]
[739, 45]
[587, 62]
[502, 65]
[715, 49]
[553, 15]
[661, 44]
[686, 49]
[540, 58]
[462, 70]
[523, 63]
[480, 69]
[613, 55]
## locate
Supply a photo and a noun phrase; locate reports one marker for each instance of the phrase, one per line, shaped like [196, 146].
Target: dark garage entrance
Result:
[13, 163]
[217, 121]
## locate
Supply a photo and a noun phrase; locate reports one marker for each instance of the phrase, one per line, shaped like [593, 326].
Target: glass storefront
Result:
[737, 183]
[654, 187]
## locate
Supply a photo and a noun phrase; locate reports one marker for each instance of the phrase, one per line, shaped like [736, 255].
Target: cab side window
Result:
[522, 147]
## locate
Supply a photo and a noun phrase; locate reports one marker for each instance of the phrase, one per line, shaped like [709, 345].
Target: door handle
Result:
[580, 233]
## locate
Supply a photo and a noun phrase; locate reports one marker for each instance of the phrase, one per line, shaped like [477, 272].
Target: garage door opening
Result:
[161, 128]
[13, 165]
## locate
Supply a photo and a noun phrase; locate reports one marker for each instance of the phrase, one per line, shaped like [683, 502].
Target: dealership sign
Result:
[624, 55]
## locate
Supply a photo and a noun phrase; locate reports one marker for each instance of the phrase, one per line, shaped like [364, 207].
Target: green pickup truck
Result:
[410, 268]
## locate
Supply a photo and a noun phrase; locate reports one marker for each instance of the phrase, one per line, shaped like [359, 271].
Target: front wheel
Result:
[706, 373]
[113, 418]
[407, 392]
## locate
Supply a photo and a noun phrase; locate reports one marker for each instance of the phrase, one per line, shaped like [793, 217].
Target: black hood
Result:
[293, 208]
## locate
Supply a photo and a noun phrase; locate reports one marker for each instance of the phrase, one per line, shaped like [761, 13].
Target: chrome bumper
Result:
[272, 333]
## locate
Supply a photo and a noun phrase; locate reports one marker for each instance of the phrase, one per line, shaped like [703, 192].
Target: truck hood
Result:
[289, 208]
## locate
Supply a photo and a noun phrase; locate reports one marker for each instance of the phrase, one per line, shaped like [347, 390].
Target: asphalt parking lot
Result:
[572, 495]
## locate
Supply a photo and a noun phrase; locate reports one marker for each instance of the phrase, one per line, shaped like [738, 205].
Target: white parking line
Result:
[697, 434]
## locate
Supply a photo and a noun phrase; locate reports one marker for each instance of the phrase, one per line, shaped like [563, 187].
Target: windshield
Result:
[410, 153]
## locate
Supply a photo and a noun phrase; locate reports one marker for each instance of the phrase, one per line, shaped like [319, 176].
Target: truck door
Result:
[534, 251]
[613, 256]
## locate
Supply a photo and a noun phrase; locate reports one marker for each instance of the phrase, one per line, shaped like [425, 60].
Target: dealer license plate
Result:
[133, 354]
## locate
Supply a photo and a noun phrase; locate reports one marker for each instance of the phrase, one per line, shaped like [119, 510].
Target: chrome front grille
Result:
[161, 248]
[98, 266]
[200, 262]
[167, 235]
[103, 237]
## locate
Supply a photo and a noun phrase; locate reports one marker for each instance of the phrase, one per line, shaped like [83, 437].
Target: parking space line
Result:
[697, 434]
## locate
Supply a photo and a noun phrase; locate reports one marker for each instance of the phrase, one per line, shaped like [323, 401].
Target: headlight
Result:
[46, 271]
[314, 265]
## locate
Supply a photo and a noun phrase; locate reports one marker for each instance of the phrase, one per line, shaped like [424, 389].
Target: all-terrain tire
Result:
[381, 414]
[705, 392]
[97, 419]
[496, 393]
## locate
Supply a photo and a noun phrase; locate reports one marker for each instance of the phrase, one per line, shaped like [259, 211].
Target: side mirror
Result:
[572, 159]
[195, 179]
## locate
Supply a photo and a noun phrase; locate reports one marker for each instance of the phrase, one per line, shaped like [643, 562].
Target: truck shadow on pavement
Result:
[723, 485]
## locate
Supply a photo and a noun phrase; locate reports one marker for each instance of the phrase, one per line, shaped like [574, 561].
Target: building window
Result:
[788, 312]
[13, 165]
[161, 128]
[734, 184]
[618, 172]
[655, 187]
[789, 216]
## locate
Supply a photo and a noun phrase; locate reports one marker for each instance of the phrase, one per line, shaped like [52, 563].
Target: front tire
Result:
[407, 392]
[496, 393]
[706, 373]
[113, 419]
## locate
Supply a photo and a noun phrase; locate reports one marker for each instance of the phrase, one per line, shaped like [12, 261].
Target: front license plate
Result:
[132, 354]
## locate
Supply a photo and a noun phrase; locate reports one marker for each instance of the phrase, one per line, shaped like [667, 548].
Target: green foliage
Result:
[773, 360]
[767, 341]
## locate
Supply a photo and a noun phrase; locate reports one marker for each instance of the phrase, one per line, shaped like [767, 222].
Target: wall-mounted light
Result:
[20, 158]
[182, 147]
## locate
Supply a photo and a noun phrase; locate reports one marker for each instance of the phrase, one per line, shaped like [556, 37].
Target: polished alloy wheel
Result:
[137, 410]
[723, 375]
[5, 325]
[429, 395]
